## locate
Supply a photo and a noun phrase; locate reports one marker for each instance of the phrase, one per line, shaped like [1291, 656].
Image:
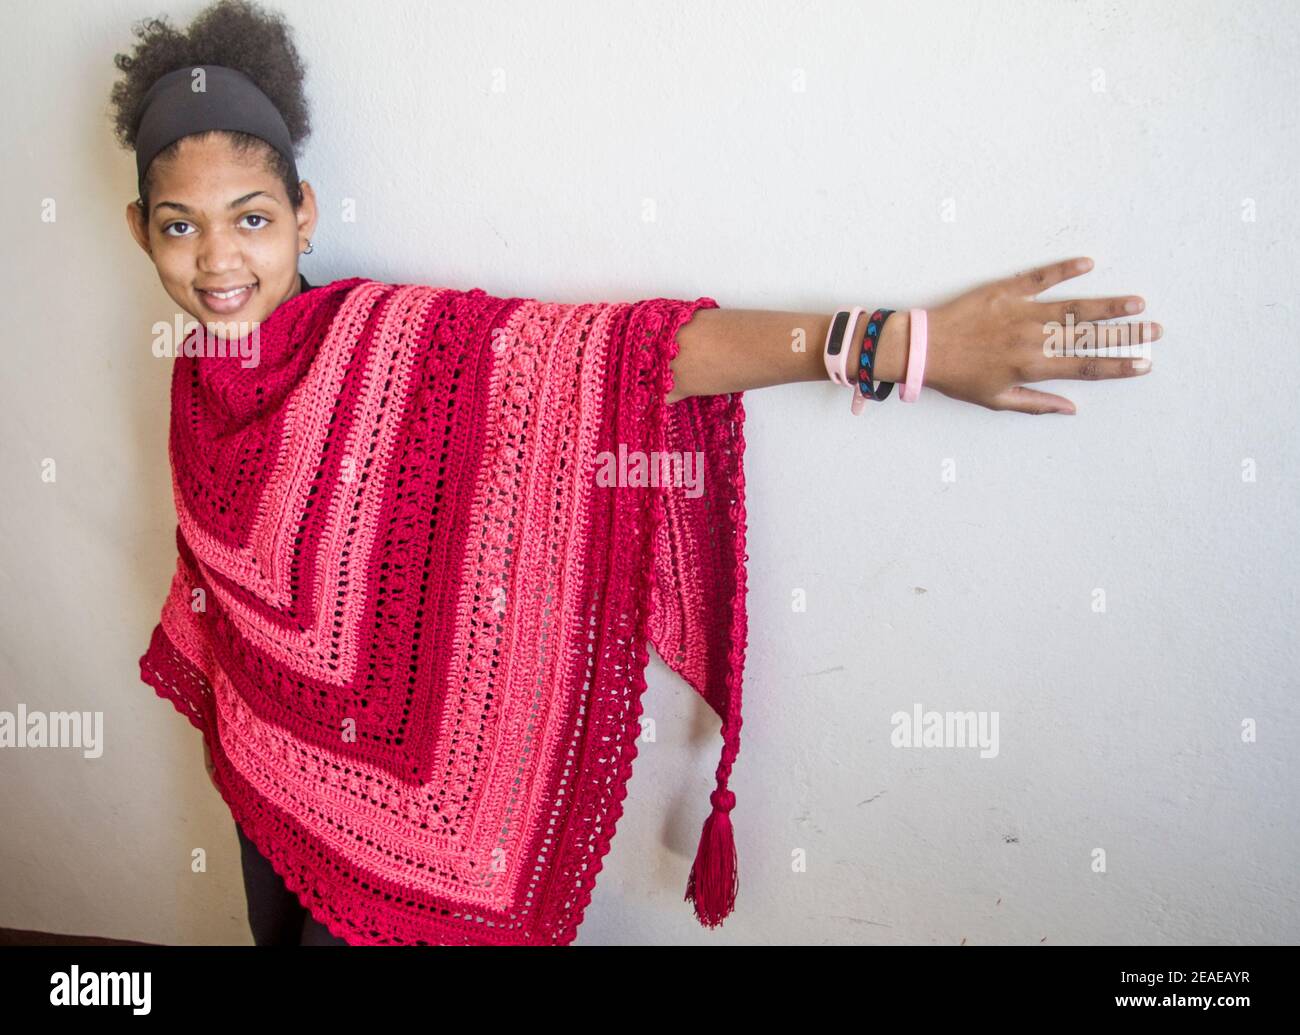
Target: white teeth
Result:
[228, 294]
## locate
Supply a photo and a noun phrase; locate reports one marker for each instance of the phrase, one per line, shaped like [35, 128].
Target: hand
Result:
[207, 762]
[983, 344]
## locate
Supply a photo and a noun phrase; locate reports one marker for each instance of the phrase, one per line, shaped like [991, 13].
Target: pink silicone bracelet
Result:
[837, 368]
[915, 356]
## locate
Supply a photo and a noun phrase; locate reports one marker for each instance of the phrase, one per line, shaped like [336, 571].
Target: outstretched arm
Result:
[981, 346]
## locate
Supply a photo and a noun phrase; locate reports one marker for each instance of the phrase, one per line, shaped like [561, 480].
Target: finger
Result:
[1031, 282]
[1028, 400]
[1091, 341]
[1101, 343]
[1089, 368]
[1080, 310]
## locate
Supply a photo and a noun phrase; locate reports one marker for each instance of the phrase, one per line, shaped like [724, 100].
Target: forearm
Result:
[735, 350]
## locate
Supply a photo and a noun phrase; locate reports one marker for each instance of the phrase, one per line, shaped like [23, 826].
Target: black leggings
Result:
[274, 912]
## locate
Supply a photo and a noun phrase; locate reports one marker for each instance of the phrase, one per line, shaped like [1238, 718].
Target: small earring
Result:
[309, 249]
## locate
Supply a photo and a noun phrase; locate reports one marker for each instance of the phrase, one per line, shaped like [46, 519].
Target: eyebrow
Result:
[234, 204]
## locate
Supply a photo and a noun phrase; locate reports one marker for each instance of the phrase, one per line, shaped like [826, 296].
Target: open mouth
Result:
[228, 300]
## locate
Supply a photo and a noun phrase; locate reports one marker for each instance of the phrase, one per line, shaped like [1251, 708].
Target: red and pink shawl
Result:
[410, 610]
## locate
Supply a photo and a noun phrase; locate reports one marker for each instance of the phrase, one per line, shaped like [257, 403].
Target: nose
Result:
[220, 253]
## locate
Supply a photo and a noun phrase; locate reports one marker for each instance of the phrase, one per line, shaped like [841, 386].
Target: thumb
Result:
[1028, 400]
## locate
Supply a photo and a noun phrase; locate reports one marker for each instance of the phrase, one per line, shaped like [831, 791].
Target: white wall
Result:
[1138, 135]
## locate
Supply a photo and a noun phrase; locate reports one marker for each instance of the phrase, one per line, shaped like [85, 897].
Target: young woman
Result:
[223, 217]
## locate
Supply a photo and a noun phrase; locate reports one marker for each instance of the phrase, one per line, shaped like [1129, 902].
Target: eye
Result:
[252, 215]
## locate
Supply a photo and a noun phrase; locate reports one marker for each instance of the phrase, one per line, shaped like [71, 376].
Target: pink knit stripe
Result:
[355, 508]
[502, 710]
[336, 794]
[182, 625]
[571, 404]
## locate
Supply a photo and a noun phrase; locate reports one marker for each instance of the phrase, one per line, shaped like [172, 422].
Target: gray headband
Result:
[230, 100]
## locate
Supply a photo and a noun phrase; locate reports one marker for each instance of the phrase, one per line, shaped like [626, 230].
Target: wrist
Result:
[890, 360]
[891, 350]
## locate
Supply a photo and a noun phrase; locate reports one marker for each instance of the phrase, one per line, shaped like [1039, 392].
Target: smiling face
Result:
[221, 221]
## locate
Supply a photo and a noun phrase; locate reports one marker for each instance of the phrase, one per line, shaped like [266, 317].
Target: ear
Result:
[135, 222]
[307, 212]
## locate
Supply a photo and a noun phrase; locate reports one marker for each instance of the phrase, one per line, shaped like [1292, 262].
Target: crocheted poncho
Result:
[422, 544]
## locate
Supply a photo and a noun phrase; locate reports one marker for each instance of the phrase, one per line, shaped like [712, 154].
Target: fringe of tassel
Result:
[715, 878]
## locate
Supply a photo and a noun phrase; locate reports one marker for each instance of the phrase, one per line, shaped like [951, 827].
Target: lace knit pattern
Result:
[410, 623]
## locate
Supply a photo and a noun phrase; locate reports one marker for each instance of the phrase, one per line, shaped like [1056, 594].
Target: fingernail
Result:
[1132, 306]
[1142, 365]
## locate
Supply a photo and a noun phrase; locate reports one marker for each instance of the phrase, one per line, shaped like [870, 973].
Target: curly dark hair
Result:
[239, 34]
